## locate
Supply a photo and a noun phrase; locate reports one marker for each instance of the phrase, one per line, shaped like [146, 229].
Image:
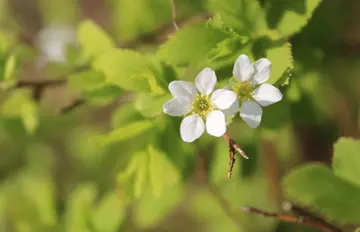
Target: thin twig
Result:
[72, 106]
[288, 206]
[292, 219]
[231, 160]
[233, 147]
[173, 14]
[232, 143]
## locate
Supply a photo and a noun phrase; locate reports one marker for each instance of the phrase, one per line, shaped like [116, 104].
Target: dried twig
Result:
[72, 106]
[304, 220]
[233, 147]
[173, 14]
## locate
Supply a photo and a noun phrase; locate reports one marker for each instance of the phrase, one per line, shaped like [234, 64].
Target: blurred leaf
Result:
[86, 80]
[295, 16]
[109, 214]
[30, 116]
[317, 188]
[151, 106]
[105, 94]
[79, 208]
[149, 211]
[12, 107]
[124, 114]
[191, 45]
[128, 131]
[281, 63]
[93, 39]
[134, 18]
[9, 72]
[245, 17]
[127, 69]
[163, 174]
[346, 161]
[141, 174]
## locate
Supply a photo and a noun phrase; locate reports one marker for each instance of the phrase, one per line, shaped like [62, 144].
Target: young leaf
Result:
[246, 17]
[150, 106]
[346, 161]
[293, 21]
[109, 214]
[127, 132]
[93, 39]
[30, 116]
[191, 45]
[127, 69]
[316, 187]
[161, 171]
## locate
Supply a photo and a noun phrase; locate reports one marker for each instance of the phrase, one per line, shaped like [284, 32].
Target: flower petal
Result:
[191, 128]
[251, 113]
[243, 69]
[262, 71]
[205, 81]
[177, 106]
[267, 94]
[233, 109]
[215, 123]
[183, 89]
[223, 98]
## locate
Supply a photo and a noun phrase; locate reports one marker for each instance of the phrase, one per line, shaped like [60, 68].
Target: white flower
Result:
[251, 89]
[200, 105]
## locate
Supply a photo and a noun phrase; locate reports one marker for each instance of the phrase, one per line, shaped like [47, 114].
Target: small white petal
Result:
[191, 128]
[223, 98]
[233, 109]
[215, 123]
[243, 69]
[251, 113]
[177, 106]
[262, 71]
[205, 81]
[267, 94]
[183, 89]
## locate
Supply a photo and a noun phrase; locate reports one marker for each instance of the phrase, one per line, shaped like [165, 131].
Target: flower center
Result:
[244, 91]
[202, 105]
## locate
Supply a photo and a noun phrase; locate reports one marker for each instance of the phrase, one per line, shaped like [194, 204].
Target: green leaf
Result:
[93, 39]
[294, 20]
[346, 161]
[163, 174]
[9, 72]
[318, 188]
[141, 174]
[87, 80]
[79, 208]
[128, 131]
[109, 214]
[281, 64]
[149, 211]
[128, 69]
[245, 17]
[191, 45]
[151, 106]
[30, 116]
[125, 113]
[12, 107]
[105, 94]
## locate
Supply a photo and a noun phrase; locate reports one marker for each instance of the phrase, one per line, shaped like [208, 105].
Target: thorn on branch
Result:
[304, 220]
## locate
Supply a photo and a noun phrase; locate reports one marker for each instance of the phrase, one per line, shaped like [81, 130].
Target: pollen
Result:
[202, 105]
[244, 91]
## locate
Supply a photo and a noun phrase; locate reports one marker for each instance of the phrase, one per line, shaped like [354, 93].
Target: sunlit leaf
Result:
[281, 64]
[346, 161]
[318, 188]
[93, 39]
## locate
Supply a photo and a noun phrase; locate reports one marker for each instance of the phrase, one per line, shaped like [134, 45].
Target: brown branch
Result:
[303, 220]
[233, 147]
[67, 109]
[173, 14]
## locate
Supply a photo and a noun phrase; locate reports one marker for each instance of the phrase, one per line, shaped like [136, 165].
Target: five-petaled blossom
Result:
[201, 106]
[251, 89]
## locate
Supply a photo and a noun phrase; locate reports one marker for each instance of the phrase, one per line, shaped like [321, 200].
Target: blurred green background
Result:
[55, 176]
